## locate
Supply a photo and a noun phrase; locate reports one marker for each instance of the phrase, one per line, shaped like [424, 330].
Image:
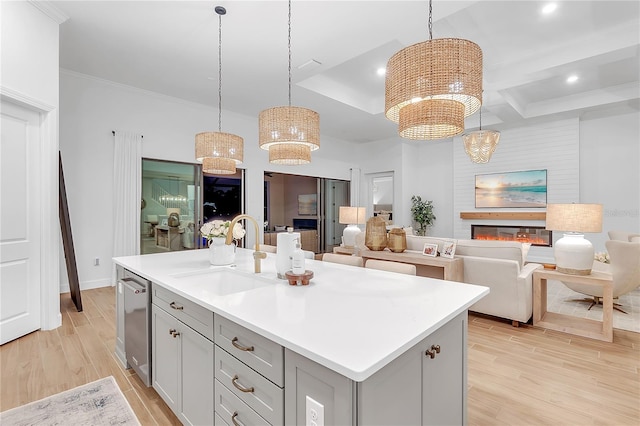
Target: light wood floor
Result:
[517, 376]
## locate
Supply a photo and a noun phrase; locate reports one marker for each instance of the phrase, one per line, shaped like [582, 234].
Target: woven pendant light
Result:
[219, 152]
[289, 133]
[481, 144]
[447, 69]
[291, 154]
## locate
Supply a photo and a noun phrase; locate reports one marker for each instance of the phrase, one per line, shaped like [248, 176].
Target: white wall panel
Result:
[554, 146]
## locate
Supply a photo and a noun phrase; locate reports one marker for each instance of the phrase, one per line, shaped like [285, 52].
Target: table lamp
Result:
[574, 253]
[352, 217]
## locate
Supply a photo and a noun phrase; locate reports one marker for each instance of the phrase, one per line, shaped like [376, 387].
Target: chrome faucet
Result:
[257, 254]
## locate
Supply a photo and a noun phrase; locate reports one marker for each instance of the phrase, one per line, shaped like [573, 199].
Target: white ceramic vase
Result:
[220, 253]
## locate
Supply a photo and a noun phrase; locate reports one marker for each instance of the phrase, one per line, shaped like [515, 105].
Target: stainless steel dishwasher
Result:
[137, 324]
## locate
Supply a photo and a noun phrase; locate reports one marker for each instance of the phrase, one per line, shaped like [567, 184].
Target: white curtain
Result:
[127, 193]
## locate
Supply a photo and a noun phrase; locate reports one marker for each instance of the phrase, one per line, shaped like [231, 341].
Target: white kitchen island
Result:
[356, 346]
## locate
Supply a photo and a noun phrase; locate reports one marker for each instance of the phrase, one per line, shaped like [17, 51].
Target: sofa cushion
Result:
[511, 250]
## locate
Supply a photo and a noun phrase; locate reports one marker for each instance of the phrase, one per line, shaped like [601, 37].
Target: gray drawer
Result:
[259, 353]
[265, 398]
[192, 314]
[229, 407]
[219, 421]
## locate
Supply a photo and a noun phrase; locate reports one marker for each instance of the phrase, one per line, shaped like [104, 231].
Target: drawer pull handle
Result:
[175, 306]
[240, 387]
[233, 419]
[431, 353]
[242, 348]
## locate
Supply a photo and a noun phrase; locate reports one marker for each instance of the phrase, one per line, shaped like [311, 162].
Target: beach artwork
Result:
[307, 204]
[512, 189]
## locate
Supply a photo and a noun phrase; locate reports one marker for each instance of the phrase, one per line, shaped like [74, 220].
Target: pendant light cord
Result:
[430, 24]
[219, 72]
[289, 47]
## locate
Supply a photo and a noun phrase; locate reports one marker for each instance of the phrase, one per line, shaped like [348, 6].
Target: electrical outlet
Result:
[315, 412]
[96, 261]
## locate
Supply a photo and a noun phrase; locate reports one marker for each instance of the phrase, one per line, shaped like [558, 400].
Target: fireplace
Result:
[536, 235]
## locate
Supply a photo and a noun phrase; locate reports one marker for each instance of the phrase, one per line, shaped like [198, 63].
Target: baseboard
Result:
[87, 285]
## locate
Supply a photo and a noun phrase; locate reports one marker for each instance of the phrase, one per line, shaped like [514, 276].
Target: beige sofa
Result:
[499, 265]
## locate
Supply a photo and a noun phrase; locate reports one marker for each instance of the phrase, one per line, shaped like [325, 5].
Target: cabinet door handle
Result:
[171, 331]
[431, 353]
[238, 346]
[175, 306]
[174, 333]
[239, 386]
[233, 419]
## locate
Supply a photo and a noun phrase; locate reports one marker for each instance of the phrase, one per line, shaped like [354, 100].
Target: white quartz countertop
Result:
[349, 319]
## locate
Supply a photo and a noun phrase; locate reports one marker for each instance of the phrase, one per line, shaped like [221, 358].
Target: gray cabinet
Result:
[444, 375]
[183, 358]
[249, 376]
[413, 389]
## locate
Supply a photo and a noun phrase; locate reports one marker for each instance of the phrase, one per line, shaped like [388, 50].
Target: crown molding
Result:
[24, 99]
[50, 10]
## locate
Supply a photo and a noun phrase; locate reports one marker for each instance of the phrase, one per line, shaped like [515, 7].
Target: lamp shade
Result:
[218, 166]
[289, 154]
[436, 69]
[431, 119]
[352, 215]
[574, 217]
[573, 253]
[289, 124]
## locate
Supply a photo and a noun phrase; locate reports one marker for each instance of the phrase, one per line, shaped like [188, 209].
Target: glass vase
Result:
[221, 254]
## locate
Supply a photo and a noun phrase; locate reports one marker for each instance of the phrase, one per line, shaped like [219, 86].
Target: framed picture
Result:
[448, 249]
[430, 250]
[307, 204]
[512, 189]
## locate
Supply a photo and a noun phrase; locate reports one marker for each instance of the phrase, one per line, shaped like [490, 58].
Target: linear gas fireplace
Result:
[536, 235]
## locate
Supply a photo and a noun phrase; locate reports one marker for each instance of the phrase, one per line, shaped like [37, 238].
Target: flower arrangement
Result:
[220, 229]
[602, 256]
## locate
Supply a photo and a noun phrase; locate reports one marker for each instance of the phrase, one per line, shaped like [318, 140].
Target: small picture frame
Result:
[430, 250]
[448, 249]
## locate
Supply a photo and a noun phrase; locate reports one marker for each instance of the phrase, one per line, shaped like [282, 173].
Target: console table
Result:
[426, 266]
[168, 237]
[570, 324]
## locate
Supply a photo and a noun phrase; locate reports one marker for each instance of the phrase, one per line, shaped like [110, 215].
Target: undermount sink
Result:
[222, 281]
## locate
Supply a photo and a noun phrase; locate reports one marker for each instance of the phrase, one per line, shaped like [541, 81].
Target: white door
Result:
[20, 218]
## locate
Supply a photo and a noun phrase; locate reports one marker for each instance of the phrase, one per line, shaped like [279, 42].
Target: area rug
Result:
[562, 299]
[97, 403]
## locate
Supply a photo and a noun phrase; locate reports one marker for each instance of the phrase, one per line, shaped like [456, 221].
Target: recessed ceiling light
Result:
[382, 71]
[549, 8]
[572, 78]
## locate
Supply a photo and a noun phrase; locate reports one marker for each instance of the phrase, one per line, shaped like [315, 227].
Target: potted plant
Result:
[422, 214]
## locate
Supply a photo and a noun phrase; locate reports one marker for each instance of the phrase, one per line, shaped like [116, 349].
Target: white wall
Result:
[610, 172]
[92, 108]
[29, 52]
[29, 76]
[593, 160]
